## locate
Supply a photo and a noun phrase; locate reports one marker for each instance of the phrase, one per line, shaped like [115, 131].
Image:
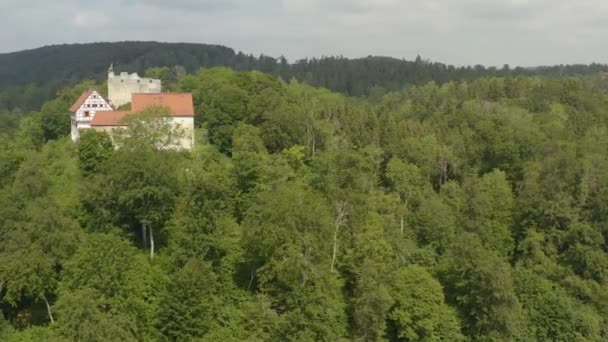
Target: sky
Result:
[459, 32]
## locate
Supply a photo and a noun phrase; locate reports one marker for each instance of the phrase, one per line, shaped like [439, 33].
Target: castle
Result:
[93, 111]
[120, 87]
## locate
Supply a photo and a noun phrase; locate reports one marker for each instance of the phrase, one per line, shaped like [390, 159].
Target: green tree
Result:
[491, 208]
[409, 183]
[161, 73]
[250, 158]
[6, 330]
[33, 334]
[38, 229]
[94, 148]
[203, 224]
[108, 290]
[435, 223]
[552, 313]
[11, 157]
[367, 265]
[287, 236]
[419, 312]
[187, 305]
[84, 317]
[150, 129]
[480, 284]
[136, 187]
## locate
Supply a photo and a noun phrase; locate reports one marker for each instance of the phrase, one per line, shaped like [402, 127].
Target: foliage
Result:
[94, 148]
[29, 78]
[471, 210]
[148, 129]
[185, 311]
[420, 312]
[107, 292]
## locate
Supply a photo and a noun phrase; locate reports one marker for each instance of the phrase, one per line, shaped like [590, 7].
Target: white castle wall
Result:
[120, 87]
[185, 123]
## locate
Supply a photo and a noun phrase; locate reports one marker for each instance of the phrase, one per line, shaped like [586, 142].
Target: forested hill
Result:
[468, 211]
[75, 62]
[29, 78]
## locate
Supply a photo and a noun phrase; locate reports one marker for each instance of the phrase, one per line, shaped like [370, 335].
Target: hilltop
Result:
[469, 211]
[31, 77]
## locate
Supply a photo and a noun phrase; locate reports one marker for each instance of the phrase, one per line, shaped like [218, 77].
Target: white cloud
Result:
[364, 5]
[301, 6]
[91, 20]
[491, 32]
[188, 5]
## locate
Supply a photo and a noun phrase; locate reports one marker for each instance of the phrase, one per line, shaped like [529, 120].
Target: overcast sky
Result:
[461, 32]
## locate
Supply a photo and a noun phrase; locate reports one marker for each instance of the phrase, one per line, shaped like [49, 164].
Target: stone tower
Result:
[120, 87]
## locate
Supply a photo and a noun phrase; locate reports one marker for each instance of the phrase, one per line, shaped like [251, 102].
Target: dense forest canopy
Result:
[448, 211]
[30, 78]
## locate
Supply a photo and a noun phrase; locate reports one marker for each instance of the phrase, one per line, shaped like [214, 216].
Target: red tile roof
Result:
[109, 118]
[179, 103]
[81, 100]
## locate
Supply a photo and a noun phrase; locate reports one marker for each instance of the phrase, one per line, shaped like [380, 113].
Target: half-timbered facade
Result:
[84, 110]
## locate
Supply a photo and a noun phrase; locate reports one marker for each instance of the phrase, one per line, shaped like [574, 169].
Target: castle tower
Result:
[122, 86]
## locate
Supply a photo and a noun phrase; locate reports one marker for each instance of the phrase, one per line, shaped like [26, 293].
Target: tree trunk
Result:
[311, 138]
[251, 278]
[151, 244]
[48, 309]
[335, 251]
[304, 273]
[144, 235]
[444, 172]
[314, 142]
[337, 224]
[403, 215]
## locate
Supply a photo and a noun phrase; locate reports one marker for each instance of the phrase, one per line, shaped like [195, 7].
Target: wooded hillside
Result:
[463, 211]
[30, 78]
